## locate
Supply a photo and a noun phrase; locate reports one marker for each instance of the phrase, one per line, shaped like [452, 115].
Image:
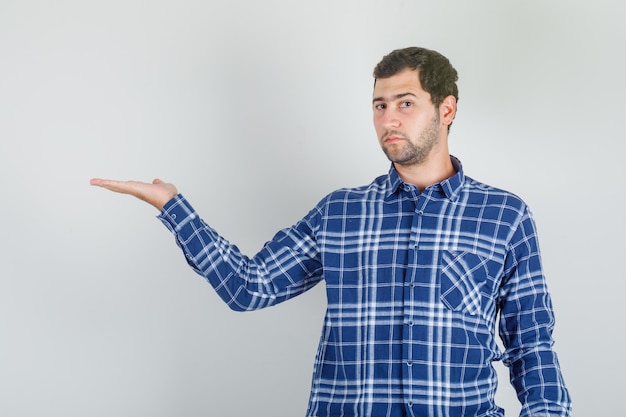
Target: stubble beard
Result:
[413, 153]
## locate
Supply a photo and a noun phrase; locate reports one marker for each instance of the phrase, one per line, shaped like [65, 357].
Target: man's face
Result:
[406, 121]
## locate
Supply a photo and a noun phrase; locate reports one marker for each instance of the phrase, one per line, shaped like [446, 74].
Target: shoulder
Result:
[490, 195]
[348, 199]
[500, 206]
[377, 188]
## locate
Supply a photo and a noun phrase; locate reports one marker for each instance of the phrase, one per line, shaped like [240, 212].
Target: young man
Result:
[417, 267]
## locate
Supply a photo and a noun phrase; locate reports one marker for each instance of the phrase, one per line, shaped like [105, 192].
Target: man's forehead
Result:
[405, 81]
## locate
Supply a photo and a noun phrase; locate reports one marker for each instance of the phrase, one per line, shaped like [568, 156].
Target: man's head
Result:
[414, 104]
[437, 76]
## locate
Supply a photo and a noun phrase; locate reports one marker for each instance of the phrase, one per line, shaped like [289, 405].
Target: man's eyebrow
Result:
[396, 97]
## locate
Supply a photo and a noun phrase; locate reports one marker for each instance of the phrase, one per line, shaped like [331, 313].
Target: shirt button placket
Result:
[409, 397]
[417, 221]
[409, 301]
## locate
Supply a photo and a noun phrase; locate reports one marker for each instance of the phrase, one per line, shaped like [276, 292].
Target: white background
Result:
[256, 110]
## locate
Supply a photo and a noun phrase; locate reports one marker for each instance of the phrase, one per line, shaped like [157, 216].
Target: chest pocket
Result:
[463, 278]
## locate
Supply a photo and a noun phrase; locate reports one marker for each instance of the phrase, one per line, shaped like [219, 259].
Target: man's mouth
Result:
[393, 137]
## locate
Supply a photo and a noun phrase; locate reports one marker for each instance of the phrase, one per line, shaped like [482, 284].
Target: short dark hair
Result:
[437, 76]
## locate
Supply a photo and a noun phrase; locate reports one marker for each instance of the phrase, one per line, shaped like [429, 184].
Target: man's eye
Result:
[380, 107]
[406, 104]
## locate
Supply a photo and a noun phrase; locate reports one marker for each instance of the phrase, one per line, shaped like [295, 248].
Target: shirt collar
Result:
[450, 186]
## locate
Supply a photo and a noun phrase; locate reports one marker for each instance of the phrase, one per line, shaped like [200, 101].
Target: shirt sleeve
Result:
[526, 325]
[286, 266]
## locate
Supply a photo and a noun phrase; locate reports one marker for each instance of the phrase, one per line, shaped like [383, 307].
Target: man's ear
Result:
[447, 110]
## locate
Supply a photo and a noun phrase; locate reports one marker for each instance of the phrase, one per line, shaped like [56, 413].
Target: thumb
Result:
[157, 181]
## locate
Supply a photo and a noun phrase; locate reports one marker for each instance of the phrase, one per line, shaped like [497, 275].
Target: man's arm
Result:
[286, 266]
[157, 194]
[526, 324]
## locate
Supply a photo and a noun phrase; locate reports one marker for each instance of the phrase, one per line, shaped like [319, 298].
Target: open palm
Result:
[157, 193]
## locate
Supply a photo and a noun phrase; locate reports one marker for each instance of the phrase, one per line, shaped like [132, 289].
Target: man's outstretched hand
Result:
[157, 194]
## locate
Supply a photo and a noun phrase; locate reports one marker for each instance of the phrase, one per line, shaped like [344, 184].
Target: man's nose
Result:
[391, 119]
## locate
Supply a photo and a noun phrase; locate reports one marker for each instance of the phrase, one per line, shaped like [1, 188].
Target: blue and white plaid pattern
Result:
[414, 284]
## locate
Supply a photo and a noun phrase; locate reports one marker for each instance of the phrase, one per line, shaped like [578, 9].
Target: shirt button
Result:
[409, 363]
[410, 323]
[173, 217]
[419, 212]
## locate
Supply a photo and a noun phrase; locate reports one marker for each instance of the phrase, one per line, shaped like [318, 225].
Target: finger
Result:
[125, 187]
[100, 182]
[96, 181]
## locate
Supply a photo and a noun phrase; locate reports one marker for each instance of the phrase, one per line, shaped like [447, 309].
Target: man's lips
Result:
[393, 138]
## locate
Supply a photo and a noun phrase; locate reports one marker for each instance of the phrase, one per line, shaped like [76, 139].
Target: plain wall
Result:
[256, 110]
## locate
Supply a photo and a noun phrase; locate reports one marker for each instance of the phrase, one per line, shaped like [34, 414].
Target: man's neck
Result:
[436, 168]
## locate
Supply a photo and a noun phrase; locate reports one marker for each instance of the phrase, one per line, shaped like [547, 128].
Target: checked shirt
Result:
[418, 284]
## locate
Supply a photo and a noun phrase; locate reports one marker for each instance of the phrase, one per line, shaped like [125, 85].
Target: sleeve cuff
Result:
[176, 213]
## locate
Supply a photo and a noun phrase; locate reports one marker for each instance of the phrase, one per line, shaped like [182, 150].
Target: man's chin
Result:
[398, 157]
